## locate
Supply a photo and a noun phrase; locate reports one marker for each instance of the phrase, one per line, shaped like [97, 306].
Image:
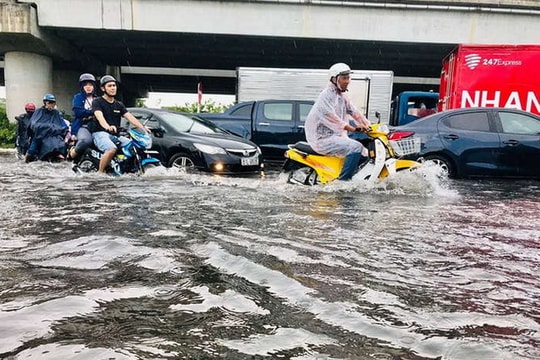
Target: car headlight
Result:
[209, 149]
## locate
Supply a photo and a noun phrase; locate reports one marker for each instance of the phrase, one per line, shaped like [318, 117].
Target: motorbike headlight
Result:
[209, 149]
[384, 129]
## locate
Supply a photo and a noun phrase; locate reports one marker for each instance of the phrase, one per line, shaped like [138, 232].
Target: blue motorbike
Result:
[132, 156]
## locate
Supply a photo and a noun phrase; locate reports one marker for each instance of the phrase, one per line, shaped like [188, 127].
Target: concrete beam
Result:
[433, 21]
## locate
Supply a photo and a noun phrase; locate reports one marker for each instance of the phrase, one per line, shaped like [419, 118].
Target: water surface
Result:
[172, 266]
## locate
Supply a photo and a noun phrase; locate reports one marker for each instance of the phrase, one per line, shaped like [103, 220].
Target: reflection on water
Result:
[198, 267]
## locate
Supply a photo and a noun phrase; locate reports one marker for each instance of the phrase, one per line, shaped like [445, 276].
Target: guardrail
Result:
[467, 5]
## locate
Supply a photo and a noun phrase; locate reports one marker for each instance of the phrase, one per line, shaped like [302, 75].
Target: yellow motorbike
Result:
[385, 149]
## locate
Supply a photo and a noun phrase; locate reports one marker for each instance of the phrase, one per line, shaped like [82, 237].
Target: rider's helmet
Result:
[86, 77]
[339, 69]
[29, 108]
[49, 97]
[107, 79]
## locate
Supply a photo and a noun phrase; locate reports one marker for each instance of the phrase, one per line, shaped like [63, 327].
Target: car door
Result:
[275, 127]
[520, 139]
[152, 123]
[302, 111]
[470, 137]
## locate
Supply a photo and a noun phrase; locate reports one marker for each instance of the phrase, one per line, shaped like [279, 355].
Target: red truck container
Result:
[491, 76]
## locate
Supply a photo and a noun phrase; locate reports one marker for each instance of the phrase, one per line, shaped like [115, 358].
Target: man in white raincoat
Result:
[327, 123]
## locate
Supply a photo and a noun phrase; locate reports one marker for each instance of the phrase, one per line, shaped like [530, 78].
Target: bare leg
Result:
[106, 159]
[72, 153]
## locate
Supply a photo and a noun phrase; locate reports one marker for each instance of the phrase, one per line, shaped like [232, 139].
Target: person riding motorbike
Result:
[328, 122]
[23, 123]
[47, 132]
[108, 113]
[82, 111]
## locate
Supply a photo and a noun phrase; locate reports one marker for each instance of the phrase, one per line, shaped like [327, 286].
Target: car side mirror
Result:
[157, 132]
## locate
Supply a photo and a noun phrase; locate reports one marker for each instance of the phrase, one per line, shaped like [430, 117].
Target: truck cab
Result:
[412, 105]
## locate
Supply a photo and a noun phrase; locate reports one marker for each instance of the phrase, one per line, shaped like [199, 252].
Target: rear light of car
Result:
[400, 135]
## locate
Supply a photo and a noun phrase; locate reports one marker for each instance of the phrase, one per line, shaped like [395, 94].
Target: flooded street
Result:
[172, 266]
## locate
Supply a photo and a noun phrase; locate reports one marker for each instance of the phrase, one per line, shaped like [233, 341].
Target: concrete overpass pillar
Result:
[28, 77]
[65, 85]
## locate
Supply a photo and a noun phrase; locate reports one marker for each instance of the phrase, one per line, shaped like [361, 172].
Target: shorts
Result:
[105, 141]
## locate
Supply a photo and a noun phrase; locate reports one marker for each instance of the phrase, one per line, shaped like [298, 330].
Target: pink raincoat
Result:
[325, 124]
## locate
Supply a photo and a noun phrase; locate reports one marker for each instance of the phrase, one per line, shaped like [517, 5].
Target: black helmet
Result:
[106, 79]
[86, 77]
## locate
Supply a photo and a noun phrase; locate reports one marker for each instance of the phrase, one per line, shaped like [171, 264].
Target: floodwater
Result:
[172, 266]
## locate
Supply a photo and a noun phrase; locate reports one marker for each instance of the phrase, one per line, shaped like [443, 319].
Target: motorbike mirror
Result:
[378, 116]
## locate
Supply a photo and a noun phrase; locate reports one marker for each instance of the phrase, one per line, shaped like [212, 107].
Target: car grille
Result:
[242, 152]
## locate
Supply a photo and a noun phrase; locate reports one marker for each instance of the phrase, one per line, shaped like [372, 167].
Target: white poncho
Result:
[325, 124]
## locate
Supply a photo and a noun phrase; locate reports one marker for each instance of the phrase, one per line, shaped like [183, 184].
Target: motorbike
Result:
[385, 149]
[131, 157]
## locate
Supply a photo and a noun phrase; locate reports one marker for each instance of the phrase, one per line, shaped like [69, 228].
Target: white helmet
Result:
[339, 69]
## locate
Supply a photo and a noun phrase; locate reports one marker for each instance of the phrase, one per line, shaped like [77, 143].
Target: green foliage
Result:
[209, 106]
[140, 103]
[8, 130]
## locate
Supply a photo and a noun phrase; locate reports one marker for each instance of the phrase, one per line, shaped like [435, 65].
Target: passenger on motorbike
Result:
[82, 111]
[23, 125]
[47, 132]
[327, 124]
[108, 113]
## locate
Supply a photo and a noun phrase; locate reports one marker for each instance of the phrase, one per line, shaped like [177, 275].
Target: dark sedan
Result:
[474, 142]
[191, 143]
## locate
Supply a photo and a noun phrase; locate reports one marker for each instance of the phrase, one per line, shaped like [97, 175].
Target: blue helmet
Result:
[49, 97]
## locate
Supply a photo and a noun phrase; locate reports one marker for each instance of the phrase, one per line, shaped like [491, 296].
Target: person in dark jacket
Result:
[23, 123]
[82, 111]
[47, 132]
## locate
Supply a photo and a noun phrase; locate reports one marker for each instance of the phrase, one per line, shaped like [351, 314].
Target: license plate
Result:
[251, 161]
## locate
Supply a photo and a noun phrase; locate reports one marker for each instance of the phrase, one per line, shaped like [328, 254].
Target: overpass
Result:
[170, 45]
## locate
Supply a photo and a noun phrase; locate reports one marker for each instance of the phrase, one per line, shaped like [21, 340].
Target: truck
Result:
[491, 76]
[271, 124]
[409, 106]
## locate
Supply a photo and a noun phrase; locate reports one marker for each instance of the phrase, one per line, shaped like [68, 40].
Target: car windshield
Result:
[186, 123]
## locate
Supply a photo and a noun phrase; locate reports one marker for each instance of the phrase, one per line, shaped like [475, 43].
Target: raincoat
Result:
[325, 124]
[48, 130]
[22, 141]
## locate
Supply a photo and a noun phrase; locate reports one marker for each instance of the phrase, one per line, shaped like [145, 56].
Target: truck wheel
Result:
[447, 166]
[182, 162]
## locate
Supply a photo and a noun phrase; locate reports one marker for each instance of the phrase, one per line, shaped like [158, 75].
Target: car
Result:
[480, 142]
[191, 143]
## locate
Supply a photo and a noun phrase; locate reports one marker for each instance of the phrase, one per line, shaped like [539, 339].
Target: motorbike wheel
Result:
[182, 162]
[149, 166]
[304, 176]
[86, 165]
